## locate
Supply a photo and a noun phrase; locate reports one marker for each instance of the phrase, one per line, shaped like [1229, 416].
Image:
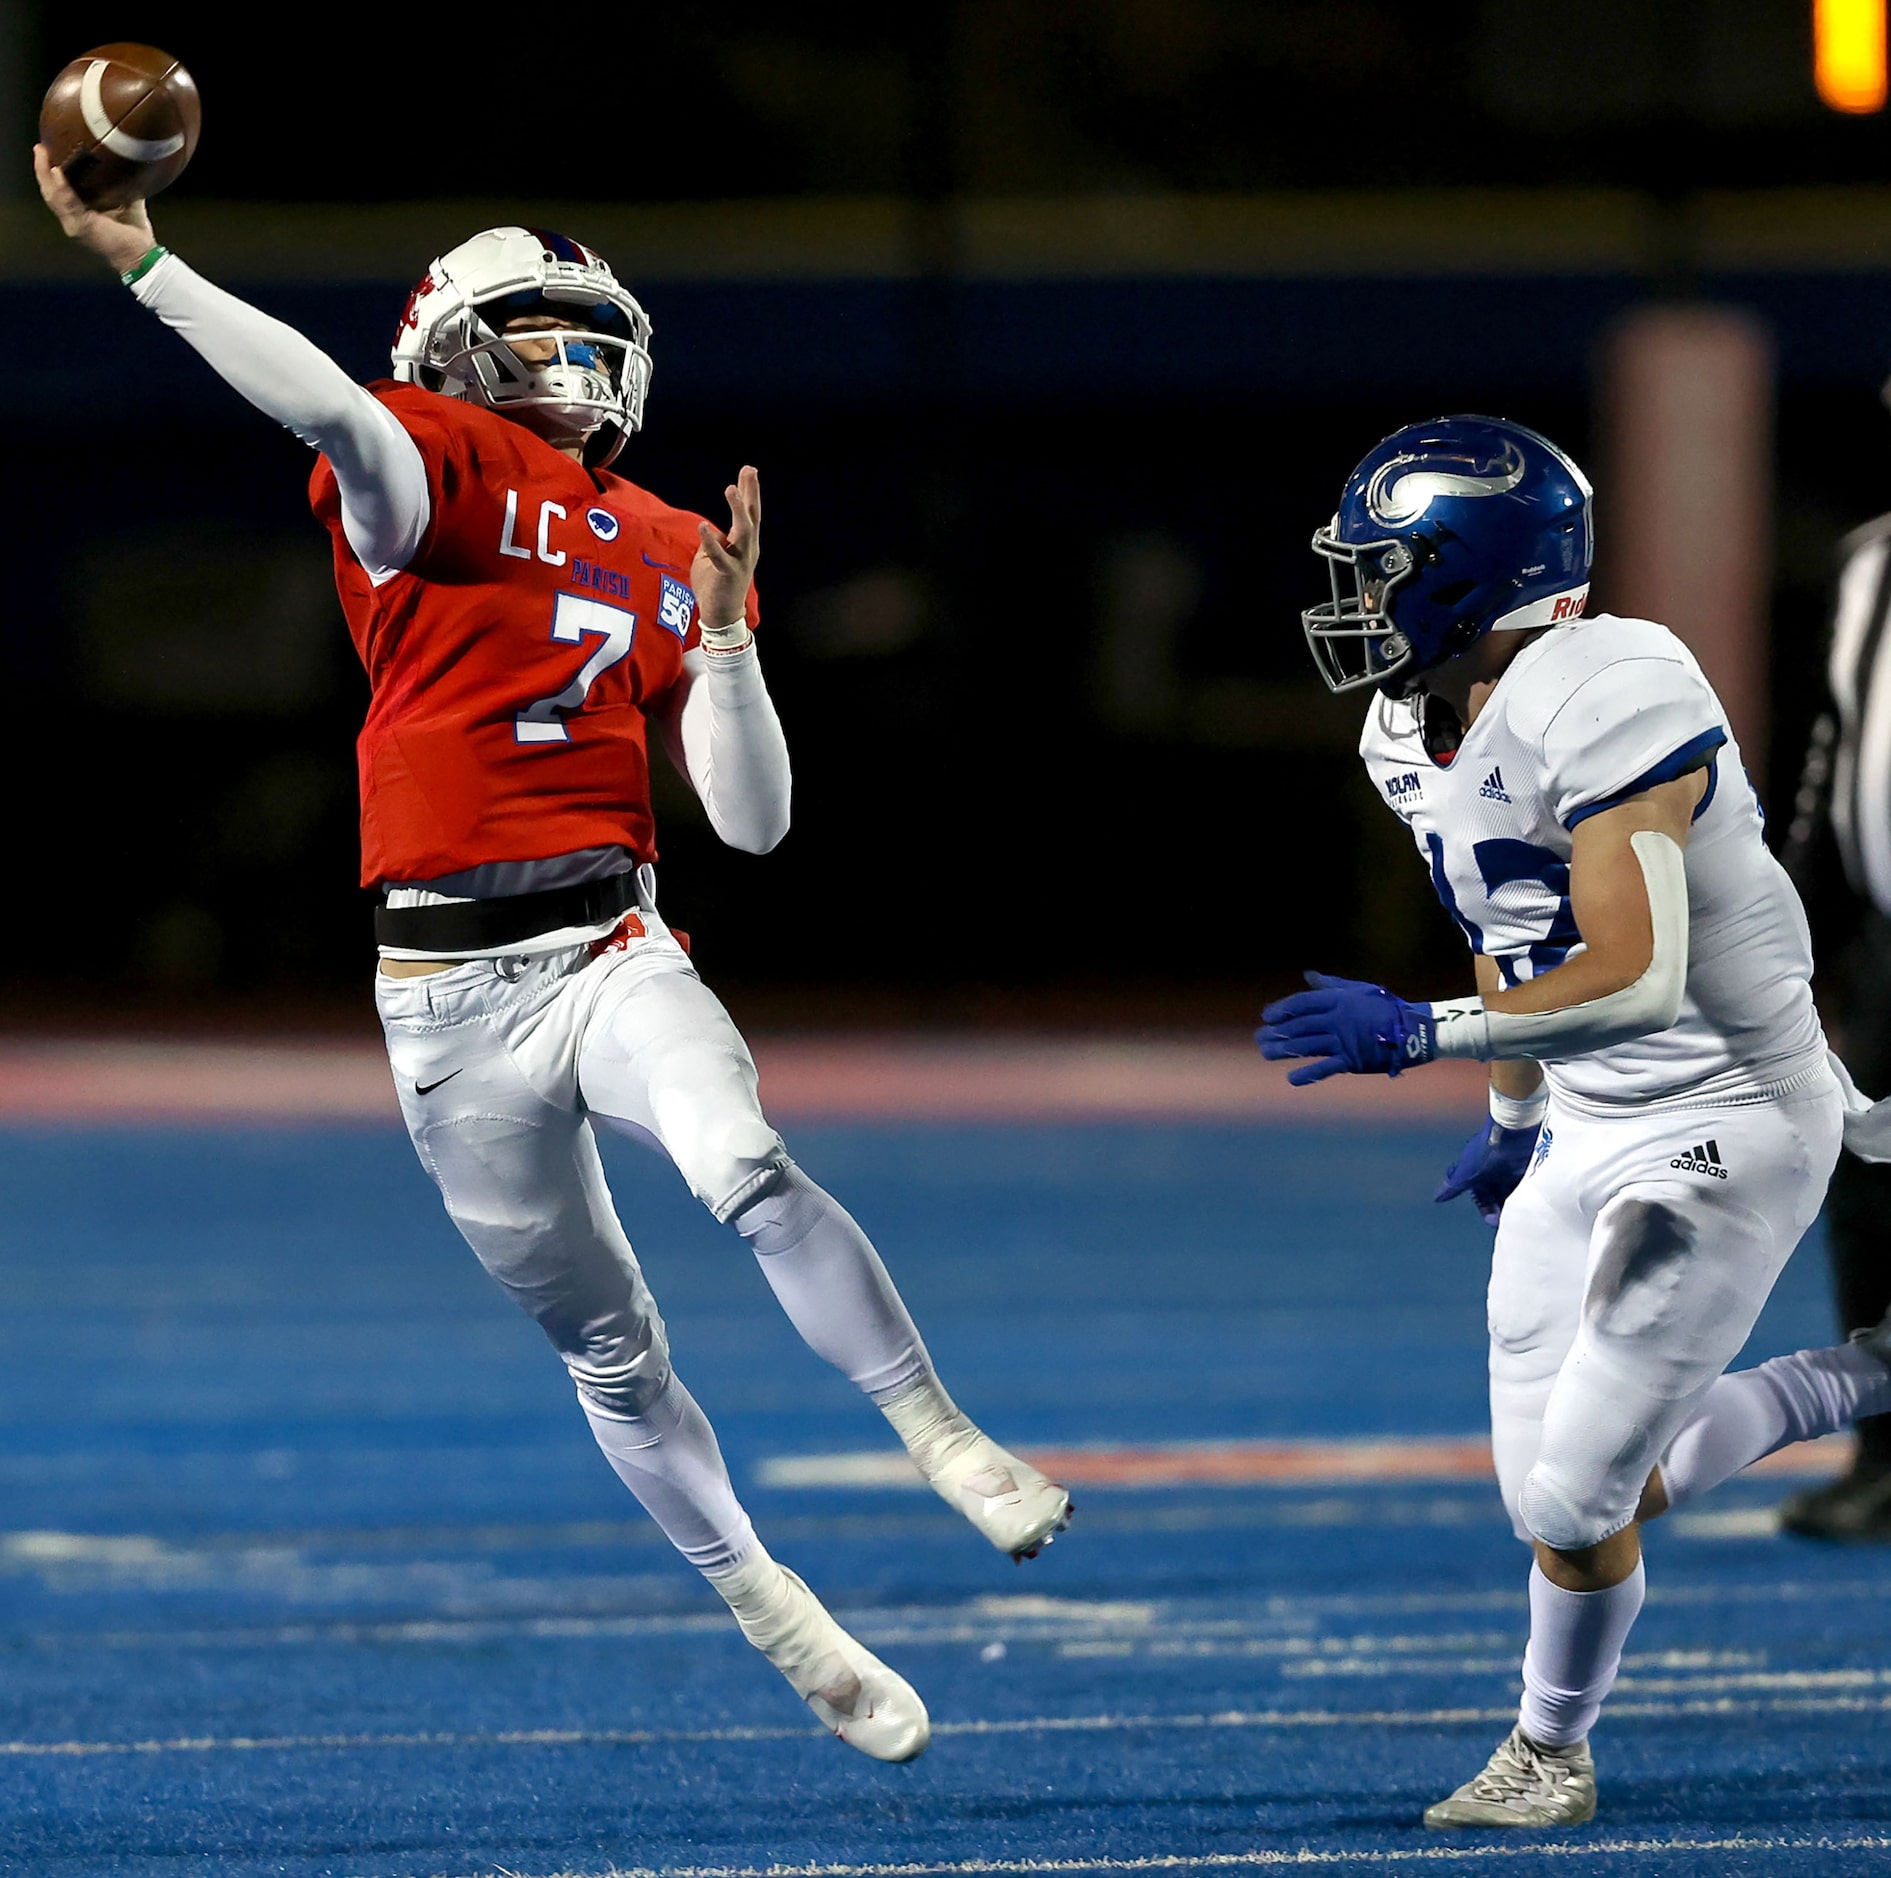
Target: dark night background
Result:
[1054, 330]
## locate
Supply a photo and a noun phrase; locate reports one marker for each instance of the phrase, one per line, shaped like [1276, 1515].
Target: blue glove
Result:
[1348, 1025]
[1489, 1167]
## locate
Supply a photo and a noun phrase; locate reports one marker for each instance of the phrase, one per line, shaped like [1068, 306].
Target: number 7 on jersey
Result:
[574, 615]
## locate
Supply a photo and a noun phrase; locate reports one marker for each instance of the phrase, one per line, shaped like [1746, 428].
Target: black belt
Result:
[487, 925]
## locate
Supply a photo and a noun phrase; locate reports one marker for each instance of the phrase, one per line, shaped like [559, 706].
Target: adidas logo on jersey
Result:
[1702, 1158]
[1493, 786]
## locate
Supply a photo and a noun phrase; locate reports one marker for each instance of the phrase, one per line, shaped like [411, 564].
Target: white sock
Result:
[774, 1614]
[1754, 1412]
[1574, 1652]
[828, 1278]
[755, 1590]
[669, 1459]
[931, 1424]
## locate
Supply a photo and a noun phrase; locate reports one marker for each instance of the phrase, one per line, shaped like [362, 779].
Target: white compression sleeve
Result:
[721, 731]
[384, 502]
[1467, 1028]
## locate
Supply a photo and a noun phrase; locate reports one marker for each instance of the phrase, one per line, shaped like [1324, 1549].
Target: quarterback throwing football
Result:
[1664, 1116]
[526, 618]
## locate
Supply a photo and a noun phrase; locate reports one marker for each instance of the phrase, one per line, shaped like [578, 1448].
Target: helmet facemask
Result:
[589, 372]
[1352, 637]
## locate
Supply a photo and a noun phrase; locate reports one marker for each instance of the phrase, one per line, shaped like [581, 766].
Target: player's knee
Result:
[780, 1213]
[1568, 1517]
[727, 1171]
[622, 1374]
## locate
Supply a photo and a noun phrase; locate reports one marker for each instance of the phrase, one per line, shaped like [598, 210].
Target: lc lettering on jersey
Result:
[509, 533]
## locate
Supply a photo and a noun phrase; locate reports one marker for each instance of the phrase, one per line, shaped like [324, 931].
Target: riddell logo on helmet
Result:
[410, 313]
[1568, 605]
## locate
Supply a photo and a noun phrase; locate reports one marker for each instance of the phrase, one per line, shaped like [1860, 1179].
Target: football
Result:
[121, 121]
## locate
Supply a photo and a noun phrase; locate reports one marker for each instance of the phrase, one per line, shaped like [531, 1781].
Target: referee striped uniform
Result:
[1838, 851]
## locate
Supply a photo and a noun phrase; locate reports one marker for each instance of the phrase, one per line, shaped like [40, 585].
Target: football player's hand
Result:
[1346, 1024]
[121, 236]
[724, 568]
[1489, 1167]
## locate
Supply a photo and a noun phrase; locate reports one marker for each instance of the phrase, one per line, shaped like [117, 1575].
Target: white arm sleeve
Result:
[1650, 1004]
[383, 478]
[720, 728]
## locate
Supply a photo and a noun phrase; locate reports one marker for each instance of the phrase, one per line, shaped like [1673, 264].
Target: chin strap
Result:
[1464, 1027]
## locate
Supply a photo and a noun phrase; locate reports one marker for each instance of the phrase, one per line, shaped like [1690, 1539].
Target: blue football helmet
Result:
[1449, 530]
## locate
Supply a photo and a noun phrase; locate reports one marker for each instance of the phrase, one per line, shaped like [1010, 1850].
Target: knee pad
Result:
[734, 1163]
[623, 1376]
[781, 1214]
[1566, 1520]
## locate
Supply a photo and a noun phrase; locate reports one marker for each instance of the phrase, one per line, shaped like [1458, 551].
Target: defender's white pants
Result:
[1629, 1270]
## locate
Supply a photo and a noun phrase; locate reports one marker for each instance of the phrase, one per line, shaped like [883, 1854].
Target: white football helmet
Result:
[454, 337]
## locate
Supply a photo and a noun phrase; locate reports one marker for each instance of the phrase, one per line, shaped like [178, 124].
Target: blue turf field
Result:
[310, 1565]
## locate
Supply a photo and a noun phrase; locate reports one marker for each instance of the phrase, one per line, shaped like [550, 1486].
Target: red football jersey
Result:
[513, 662]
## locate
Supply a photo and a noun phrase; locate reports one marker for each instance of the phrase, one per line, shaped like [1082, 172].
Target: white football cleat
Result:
[1524, 1784]
[850, 1690]
[1018, 1509]
[1005, 1496]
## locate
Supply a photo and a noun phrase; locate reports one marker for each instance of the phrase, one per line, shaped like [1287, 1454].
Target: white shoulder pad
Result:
[1642, 717]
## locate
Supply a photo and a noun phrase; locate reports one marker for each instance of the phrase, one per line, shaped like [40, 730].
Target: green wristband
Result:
[156, 253]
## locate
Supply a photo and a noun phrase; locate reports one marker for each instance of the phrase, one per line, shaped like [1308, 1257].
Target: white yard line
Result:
[1262, 1859]
[1017, 1725]
[975, 1621]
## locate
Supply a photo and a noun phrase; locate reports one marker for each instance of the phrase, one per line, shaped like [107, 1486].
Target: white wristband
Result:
[1463, 1029]
[725, 639]
[1519, 1111]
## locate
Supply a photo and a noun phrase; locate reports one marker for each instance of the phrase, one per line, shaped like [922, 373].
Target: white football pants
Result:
[501, 1065]
[1630, 1266]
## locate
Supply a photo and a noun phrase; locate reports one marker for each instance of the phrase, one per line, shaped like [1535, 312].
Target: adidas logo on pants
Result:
[1703, 1158]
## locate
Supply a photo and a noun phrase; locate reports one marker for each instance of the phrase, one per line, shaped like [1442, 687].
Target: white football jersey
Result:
[1586, 716]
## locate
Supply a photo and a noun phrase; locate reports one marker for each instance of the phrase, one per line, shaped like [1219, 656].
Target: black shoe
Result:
[1855, 1508]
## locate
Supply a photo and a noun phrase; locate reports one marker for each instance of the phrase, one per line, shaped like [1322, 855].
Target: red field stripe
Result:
[1336, 1463]
[1312, 1463]
[822, 1078]
[1264, 1463]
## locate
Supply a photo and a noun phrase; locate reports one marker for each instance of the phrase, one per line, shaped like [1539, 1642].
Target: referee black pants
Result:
[1858, 1207]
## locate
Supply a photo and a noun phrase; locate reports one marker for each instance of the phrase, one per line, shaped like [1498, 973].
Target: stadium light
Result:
[1848, 54]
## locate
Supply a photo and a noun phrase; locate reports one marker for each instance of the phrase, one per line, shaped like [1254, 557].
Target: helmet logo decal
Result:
[410, 313]
[1392, 497]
